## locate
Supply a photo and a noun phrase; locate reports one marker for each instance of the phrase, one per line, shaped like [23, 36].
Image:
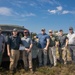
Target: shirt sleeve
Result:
[31, 42]
[8, 41]
[3, 39]
[20, 41]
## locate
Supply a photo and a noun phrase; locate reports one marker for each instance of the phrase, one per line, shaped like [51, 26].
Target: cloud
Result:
[5, 11]
[65, 12]
[52, 11]
[27, 15]
[59, 8]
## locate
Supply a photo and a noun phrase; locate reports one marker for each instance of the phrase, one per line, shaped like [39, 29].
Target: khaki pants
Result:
[14, 57]
[52, 55]
[27, 59]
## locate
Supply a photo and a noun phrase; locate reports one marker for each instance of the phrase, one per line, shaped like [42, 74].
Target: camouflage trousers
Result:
[63, 54]
[27, 59]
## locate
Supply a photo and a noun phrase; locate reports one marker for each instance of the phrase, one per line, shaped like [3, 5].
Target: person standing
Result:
[71, 43]
[52, 49]
[43, 39]
[13, 44]
[62, 47]
[2, 45]
[27, 53]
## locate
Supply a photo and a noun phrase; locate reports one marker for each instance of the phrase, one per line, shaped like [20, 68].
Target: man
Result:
[62, 47]
[27, 53]
[43, 47]
[13, 44]
[2, 45]
[71, 37]
[52, 49]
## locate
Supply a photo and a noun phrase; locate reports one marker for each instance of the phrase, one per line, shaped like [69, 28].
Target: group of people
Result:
[46, 46]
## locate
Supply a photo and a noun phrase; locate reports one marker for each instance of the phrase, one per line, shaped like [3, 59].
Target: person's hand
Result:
[29, 50]
[26, 49]
[45, 48]
[9, 54]
[2, 51]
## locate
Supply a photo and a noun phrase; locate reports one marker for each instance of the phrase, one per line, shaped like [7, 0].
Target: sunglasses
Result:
[70, 29]
[50, 32]
[25, 32]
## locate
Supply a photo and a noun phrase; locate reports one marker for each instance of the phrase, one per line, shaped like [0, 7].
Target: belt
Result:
[71, 45]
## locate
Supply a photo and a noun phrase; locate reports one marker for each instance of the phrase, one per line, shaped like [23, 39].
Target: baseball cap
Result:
[43, 29]
[50, 31]
[71, 28]
[14, 30]
[60, 30]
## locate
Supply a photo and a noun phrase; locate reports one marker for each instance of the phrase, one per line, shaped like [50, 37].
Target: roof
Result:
[11, 27]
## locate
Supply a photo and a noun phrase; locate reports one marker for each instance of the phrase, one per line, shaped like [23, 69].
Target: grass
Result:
[59, 70]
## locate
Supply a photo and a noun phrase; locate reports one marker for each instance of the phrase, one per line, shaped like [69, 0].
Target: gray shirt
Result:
[2, 40]
[26, 42]
[62, 40]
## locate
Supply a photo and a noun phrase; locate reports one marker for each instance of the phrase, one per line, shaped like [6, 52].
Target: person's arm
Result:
[31, 44]
[67, 41]
[3, 45]
[47, 45]
[8, 47]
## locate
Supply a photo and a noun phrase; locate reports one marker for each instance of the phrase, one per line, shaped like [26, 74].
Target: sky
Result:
[37, 14]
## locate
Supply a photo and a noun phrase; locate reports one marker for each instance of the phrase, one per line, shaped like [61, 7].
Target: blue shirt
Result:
[42, 40]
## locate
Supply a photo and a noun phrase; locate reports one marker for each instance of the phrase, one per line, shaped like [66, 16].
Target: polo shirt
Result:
[52, 41]
[42, 40]
[14, 42]
[26, 41]
[2, 40]
[62, 40]
[71, 38]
